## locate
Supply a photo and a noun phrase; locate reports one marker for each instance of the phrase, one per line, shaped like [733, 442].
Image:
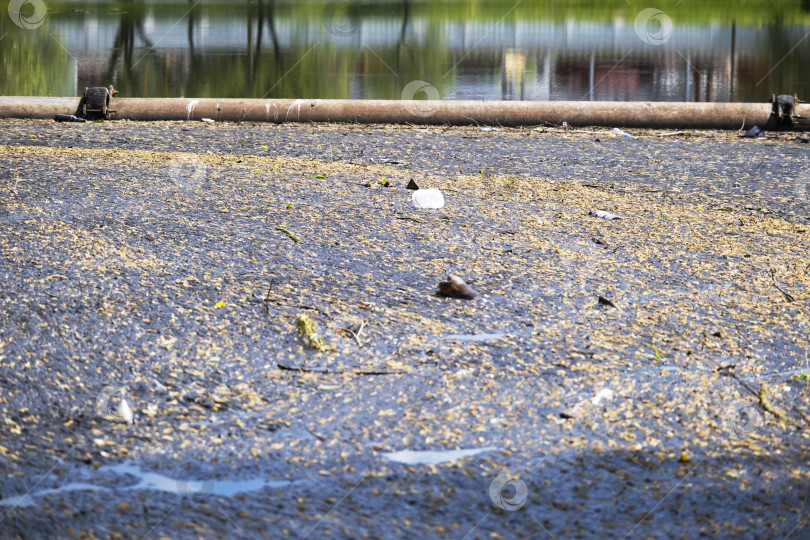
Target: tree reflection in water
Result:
[465, 50]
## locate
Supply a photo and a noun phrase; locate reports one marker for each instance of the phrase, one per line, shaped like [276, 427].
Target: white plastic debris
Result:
[208, 120]
[123, 413]
[428, 198]
[620, 133]
[605, 394]
[604, 215]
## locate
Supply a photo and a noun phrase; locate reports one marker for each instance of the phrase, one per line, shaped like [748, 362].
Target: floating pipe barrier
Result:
[640, 114]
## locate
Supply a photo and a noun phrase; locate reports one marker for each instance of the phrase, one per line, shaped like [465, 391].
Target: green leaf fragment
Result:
[308, 329]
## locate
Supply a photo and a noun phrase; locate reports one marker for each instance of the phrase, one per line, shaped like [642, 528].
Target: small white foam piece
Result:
[434, 457]
[428, 198]
[605, 394]
[207, 120]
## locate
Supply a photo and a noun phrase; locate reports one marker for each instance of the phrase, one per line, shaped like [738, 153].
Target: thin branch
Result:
[788, 296]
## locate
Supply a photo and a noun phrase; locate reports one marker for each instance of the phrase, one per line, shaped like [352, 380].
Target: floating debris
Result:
[455, 287]
[68, 118]
[576, 411]
[123, 413]
[605, 394]
[289, 233]
[604, 215]
[606, 302]
[752, 133]
[207, 120]
[412, 185]
[619, 133]
[428, 198]
[434, 457]
[325, 369]
[308, 329]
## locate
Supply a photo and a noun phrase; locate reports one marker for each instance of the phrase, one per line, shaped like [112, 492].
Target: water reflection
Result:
[466, 50]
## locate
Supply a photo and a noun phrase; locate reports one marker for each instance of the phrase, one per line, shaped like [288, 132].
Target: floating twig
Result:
[761, 394]
[288, 233]
[324, 369]
[409, 218]
[736, 327]
[788, 296]
[357, 334]
[315, 434]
